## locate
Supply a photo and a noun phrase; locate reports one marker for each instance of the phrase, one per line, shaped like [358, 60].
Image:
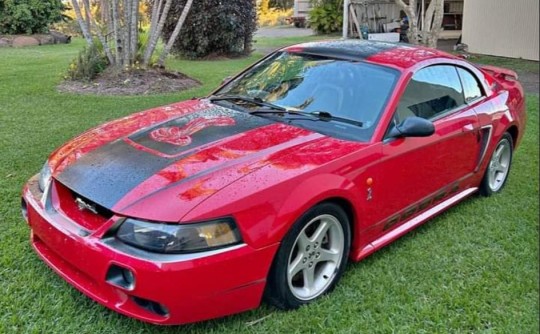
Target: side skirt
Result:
[410, 225]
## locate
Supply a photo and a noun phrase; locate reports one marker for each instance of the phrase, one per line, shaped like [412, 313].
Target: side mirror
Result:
[413, 127]
[226, 80]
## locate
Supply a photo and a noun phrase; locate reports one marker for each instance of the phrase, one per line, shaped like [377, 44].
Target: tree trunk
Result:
[82, 23]
[116, 35]
[436, 27]
[87, 13]
[154, 19]
[154, 35]
[431, 22]
[92, 23]
[175, 33]
[106, 17]
[134, 34]
[410, 10]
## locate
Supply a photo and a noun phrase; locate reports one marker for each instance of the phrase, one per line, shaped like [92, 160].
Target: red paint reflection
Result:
[405, 57]
[101, 135]
[181, 136]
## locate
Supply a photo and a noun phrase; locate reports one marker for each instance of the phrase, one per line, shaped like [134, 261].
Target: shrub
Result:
[213, 27]
[281, 4]
[272, 16]
[89, 63]
[29, 16]
[326, 16]
[69, 27]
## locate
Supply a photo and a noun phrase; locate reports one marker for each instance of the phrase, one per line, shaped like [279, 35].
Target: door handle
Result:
[467, 128]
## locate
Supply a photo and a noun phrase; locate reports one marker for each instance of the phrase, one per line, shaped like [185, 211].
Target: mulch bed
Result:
[135, 82]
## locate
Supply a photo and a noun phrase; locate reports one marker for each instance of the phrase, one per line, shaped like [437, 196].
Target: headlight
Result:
[176, 238]
[45, 176]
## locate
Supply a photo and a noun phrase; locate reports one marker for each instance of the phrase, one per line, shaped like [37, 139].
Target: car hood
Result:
[160, 164]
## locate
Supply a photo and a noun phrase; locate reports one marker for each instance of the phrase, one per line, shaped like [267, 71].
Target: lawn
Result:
[472, 269]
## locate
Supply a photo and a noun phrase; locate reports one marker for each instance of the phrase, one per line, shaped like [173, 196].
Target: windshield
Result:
[349, 90]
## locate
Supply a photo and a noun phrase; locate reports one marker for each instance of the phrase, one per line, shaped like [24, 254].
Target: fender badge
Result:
[369, 183]
[85, 206]
[369, 194]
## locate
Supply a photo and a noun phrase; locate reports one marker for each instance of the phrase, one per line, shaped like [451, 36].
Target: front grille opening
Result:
[101, 210]
[79, 209]
[151, 306]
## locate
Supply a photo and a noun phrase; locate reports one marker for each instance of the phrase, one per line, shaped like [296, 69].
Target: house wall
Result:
[302, 8]
[508, 28]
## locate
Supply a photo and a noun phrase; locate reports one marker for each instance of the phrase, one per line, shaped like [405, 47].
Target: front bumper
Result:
[167, 289]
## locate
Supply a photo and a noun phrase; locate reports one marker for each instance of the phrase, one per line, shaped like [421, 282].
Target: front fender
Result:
[308, 193]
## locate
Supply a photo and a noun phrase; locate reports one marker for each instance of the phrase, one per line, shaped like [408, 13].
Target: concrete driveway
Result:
[283, 31]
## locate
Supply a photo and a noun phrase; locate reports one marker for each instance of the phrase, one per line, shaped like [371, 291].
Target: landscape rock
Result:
[4, 42]
[60, 38]
[21, 41]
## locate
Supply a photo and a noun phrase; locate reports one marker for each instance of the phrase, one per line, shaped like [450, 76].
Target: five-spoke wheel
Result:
[311, 258]
[315, 256]
[499, 167]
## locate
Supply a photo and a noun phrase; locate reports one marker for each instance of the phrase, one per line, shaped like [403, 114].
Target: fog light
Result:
[121, 277]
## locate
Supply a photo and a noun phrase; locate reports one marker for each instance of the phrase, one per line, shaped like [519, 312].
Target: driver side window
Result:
[431, 92]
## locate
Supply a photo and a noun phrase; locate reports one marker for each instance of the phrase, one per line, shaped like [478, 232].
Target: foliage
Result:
[88, 64]
[281, 4]
[69, 27]
[268, 16]
[326, 16]
[29, 16]
[214, 27]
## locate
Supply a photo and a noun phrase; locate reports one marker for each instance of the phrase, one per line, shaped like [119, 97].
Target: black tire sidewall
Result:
[277, 290]
[485, 189]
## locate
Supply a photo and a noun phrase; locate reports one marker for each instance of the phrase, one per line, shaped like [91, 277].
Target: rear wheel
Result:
[311, 258]
[499, 167]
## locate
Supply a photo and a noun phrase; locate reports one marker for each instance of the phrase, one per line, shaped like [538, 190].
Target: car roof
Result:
[398, 55]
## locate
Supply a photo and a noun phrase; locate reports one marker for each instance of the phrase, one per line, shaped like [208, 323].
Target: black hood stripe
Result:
[109, 173]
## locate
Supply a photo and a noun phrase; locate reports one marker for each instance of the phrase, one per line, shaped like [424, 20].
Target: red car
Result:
[317, 155]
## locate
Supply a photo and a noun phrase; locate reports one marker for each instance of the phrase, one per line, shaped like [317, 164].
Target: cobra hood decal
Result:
[108, 173]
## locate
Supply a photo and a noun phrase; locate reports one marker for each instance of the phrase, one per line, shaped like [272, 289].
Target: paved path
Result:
[283, 31]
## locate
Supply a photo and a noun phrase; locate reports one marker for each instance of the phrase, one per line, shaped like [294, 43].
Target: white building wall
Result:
[508, 28]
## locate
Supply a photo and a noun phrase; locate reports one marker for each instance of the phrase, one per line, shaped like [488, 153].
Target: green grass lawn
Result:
[473, 269]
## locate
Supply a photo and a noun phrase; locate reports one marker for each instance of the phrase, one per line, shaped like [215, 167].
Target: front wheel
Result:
[499, 167]
[311, 258]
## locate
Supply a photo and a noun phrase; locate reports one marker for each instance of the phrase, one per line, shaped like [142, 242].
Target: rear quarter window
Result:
[472, 89]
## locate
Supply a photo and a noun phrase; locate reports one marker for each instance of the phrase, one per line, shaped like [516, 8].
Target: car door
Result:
[416, 173]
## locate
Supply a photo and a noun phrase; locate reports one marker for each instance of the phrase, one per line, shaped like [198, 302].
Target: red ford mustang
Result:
[319, 154]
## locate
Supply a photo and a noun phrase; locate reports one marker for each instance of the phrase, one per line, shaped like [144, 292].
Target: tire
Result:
[498, 168]
[315, 253]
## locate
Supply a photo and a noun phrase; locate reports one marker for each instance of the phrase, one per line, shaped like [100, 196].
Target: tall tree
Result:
[431, 21]
[116, 29]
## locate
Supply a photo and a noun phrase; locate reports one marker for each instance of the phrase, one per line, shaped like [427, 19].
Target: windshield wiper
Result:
[326, 115]
[253, 100]
[275, 109]
[321, 115]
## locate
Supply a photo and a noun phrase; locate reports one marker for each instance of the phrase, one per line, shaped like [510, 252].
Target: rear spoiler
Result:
[499, 72]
